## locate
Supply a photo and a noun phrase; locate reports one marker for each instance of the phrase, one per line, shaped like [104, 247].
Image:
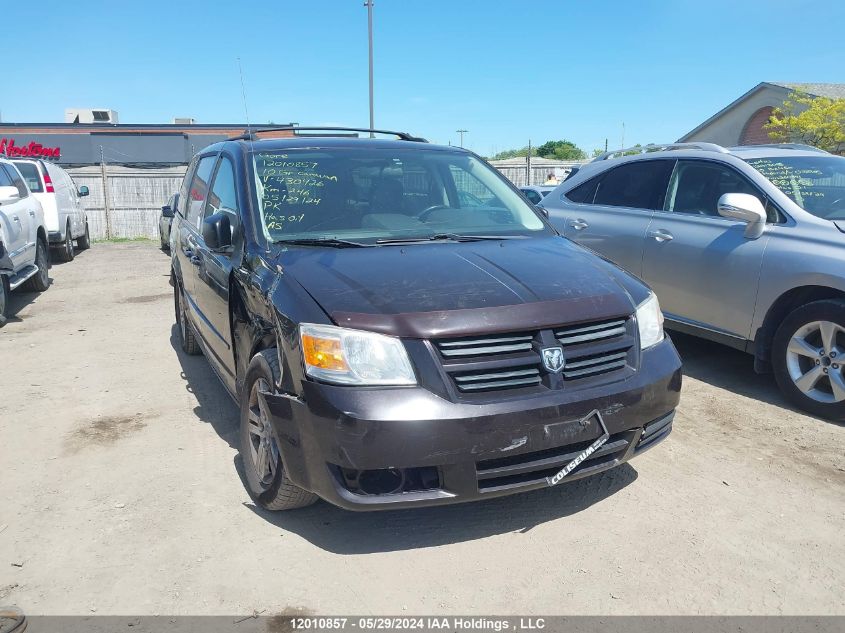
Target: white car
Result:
[23, 238]
[65, 216]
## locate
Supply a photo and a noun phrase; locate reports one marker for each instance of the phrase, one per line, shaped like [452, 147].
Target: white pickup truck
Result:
[23, 238]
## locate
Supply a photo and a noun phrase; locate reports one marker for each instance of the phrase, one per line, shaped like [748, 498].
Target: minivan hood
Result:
[451, 289]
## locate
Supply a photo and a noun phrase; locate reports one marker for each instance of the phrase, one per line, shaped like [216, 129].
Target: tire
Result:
[268, 485]
[808, 358]
[84, 243]
[187, 337]
[40, 281]
[4, 300]
[65, 252]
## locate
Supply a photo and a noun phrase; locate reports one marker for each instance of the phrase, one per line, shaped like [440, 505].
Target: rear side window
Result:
[198, 190]
[585, 192]
[17, 181]
[31, 175]
[5, 178]
[638, 185]
[181, 206]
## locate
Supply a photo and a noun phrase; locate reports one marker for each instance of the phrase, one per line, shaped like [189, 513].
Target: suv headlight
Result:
[650, 322]
[352, 357]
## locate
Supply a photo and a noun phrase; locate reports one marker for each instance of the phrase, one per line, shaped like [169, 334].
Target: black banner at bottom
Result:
[427, 623]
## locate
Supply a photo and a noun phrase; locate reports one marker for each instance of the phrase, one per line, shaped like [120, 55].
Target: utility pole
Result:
[106, 209]
[528, 165]
[369, 5]
[462, 132]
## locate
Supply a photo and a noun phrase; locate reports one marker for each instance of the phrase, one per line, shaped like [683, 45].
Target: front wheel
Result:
[809, 358]
[4, 300]
[84, 243]
[267, 481]
[40, 281]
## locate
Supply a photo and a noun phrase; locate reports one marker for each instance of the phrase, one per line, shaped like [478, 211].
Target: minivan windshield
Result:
[377, 194]
[814, 183]
[30, 174]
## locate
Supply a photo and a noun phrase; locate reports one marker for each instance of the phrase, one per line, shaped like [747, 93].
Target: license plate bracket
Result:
[592, 448]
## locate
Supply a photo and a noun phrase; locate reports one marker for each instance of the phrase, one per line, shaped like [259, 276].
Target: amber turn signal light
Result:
[325, 353]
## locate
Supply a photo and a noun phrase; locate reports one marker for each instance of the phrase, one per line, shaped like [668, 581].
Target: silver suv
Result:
[744, 246]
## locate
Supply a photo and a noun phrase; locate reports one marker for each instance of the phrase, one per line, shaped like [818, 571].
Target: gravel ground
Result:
[121, 492]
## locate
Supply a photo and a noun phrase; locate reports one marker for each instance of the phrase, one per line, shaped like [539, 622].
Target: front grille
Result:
[584, 333]
[486, 346]
[593, 352]
[532, 468]
[593, 364]
[529, 376]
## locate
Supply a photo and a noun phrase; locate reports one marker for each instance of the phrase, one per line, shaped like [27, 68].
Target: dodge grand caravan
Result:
[401, 327]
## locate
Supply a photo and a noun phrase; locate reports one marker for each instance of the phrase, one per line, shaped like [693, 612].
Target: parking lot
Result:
[122, 494]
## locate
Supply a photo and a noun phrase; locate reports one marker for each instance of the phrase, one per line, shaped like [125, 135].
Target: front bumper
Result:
[478, 451]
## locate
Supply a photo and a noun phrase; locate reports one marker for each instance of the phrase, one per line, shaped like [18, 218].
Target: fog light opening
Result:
[381, 482]
[387, 481]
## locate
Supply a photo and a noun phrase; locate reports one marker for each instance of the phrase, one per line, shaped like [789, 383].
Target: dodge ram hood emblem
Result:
[553, 359]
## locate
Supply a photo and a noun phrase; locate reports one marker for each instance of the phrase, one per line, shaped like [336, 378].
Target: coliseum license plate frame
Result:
[592, 448]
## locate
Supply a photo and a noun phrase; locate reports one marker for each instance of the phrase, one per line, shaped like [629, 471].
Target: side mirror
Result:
[167, 211]
[217, 231]
[9, 194]
[745, 208]
[83, 191]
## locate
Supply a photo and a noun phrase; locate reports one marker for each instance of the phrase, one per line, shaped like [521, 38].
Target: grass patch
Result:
[119, 240]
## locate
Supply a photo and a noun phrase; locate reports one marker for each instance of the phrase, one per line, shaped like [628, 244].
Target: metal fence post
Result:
[106, 208]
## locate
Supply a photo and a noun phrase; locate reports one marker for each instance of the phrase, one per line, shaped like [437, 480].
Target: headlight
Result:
[650, 322]
[352, 357]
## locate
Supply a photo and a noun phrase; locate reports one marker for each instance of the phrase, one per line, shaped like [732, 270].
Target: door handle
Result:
[578, 224]
[661, 236]
[195, 260]
[16, 219]
[32, 213]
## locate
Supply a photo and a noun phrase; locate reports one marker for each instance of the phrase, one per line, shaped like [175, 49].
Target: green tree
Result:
[513, 153]
[561, 150]
[817, 121]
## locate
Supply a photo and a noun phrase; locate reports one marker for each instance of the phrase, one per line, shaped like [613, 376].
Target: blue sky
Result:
[506, 70]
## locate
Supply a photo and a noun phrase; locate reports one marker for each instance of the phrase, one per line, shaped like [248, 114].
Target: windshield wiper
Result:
[453, 237]
[331, 242]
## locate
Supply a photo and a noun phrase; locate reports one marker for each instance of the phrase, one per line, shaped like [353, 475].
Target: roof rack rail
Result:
[801, 146]
[651, 147]
[251, 135]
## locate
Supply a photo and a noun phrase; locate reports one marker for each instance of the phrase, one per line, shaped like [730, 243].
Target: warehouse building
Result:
[78, 144]
[130, 169]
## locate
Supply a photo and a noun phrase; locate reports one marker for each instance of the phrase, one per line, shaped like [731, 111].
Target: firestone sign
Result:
[33, 150]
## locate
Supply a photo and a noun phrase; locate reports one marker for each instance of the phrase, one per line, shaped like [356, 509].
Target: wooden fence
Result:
[135, 195]
[516, 170]
[133, 200]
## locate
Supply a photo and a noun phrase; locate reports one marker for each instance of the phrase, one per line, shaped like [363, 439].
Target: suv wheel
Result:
[65, 252]
[84, 243]
[809, 358]
[4, 300]
[267, 482]
[187, 338]
[40, 281]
